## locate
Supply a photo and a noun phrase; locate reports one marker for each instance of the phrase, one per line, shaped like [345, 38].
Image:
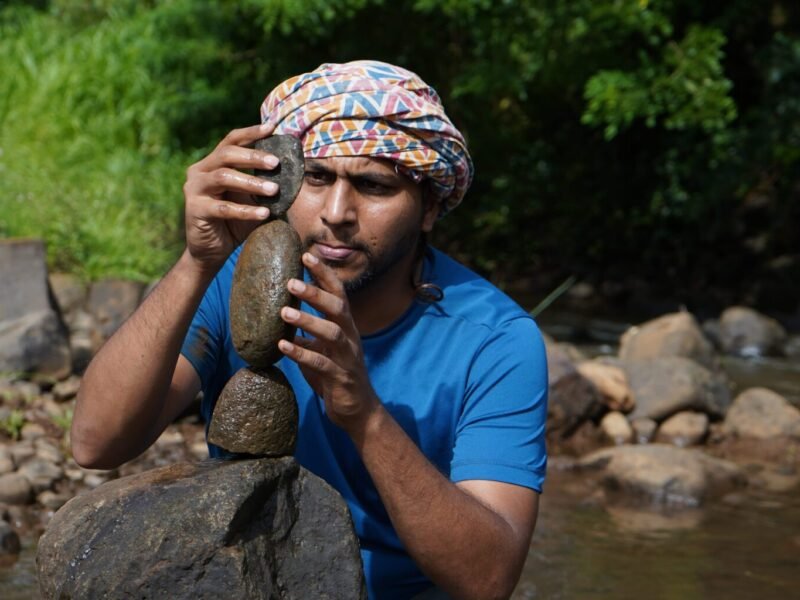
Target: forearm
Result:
[121, 403]
[462, 545]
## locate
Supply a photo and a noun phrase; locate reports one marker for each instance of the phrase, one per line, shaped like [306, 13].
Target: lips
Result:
[335, 253]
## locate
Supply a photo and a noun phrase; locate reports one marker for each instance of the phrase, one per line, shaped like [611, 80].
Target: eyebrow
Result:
[317, 166]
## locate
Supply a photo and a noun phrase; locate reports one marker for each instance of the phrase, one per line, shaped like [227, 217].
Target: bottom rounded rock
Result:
[256, 414]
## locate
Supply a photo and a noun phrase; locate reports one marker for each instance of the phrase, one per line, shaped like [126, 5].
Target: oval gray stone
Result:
[256, 414]
[288, 174]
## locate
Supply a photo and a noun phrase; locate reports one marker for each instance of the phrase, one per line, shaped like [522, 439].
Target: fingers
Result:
[225, 210]
[247, 135]
[326, 332]
[305, 357]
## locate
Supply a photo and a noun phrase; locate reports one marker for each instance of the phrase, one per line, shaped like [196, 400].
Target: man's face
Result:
[361, 217]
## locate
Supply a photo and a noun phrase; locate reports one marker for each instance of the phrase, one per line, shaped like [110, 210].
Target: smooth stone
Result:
[15, 489]
[42, 474]
[676, 334]
[616, 429]
[111, 301]
[611, 383]
[32, 431]
[48, 450]
[35, 343]
[256, 414]
[51, 500]
[270, 257]
[686, 428]
[67, 389]
[69, 292]
[746, 332]
[257, 529]
[763, 414]
[288, 174]
[644, 429]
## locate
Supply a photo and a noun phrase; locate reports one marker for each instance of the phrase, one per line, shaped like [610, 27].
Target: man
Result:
[421, 387]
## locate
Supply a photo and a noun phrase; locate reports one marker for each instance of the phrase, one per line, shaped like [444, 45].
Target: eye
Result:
[318, 177]
[374, 188]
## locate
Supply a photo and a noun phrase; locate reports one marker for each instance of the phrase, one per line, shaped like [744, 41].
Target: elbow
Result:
[86, 452]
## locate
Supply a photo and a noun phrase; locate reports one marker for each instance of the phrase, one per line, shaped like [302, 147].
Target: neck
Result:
[384, 300]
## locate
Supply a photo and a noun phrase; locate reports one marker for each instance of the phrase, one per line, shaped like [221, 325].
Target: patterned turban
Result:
[371, 108]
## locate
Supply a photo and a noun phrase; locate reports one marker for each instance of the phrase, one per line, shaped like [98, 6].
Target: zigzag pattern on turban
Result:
[371, 108]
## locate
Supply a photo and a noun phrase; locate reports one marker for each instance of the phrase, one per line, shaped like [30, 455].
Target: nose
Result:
[339, 208]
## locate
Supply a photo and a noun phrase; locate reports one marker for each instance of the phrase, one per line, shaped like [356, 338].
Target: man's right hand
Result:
[220, 209]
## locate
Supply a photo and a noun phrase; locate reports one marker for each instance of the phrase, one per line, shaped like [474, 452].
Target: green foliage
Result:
[12, 424]
[604, 132]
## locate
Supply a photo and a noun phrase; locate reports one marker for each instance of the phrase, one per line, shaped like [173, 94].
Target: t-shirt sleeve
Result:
[501, 432]
[204, 340]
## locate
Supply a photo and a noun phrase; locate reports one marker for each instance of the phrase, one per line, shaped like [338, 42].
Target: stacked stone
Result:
[256, 413]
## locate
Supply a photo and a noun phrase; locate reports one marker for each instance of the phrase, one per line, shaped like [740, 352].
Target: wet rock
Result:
[288, 174]
[662, 474]
[676, 334]
[270, 257]
[611, 384]
[572, 399]
[41, 474]
[219, 529]
[616, 429]
[15, 489]
[256, 414]
[9, 541]
[763, 414]
[644, 430]
[665, 386]
[686, 428]
[111, 301]
[746, 332]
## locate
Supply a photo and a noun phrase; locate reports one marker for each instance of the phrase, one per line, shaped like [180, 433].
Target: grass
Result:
[85, 157]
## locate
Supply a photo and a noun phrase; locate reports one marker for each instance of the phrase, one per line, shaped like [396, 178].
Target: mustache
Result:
[321, 238]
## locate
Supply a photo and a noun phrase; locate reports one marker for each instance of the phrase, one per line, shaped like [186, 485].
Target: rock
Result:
[572, 399]
[288, 174]
[9, 540]
[6, 461]
[685, 428]
[41, 474]
[67, 389]
[644, 430]
[676, 334]
[85, 339]
[665, 386]
[48, 450]
[52, 500]
[69, 292]
[616, 429]
[111, 301]
[745, 332]
[256, 414]
[270, 257]
[15, 489]
[36, 342]
[763, 414]
[32, 337]
[22, 451]
[662, 474]
[32, 431]
[611, 384]
[792, 347]
[219, 529]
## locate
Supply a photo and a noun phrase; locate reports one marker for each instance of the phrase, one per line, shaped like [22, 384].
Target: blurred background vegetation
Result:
[627, 142]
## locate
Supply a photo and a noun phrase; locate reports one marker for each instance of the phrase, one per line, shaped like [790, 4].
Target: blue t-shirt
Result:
[465, 377]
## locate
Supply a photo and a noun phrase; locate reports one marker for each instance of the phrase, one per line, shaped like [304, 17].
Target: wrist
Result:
[198, 271]
[370, 426]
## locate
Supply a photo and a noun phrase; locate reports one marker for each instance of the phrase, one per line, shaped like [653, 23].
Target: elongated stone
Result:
[256, 414]
[270, 257]
[288, 174]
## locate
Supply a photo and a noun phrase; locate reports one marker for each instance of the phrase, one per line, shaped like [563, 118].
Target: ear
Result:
[431, 213]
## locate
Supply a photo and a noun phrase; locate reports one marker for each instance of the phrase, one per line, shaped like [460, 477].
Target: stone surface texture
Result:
[761, 413]
[686, 428]
[746, 332]
[270, 257]
[675, 334]
[611, 384]
[667, 385]
[288, 174]
[572, 399]
[111, 301]
[253, 529]
[616, 429]
[256, 414]
[663, 474]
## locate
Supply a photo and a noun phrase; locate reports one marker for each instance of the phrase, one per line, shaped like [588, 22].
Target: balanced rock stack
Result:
[256, 413]
[262, 528]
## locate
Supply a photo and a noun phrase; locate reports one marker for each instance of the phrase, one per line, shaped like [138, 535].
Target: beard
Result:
[378, 263]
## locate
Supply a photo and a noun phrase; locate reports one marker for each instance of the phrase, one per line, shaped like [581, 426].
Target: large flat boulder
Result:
[661, 474]
[253, 529]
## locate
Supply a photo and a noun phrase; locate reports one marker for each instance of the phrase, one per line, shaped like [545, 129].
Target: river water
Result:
[744, 546]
